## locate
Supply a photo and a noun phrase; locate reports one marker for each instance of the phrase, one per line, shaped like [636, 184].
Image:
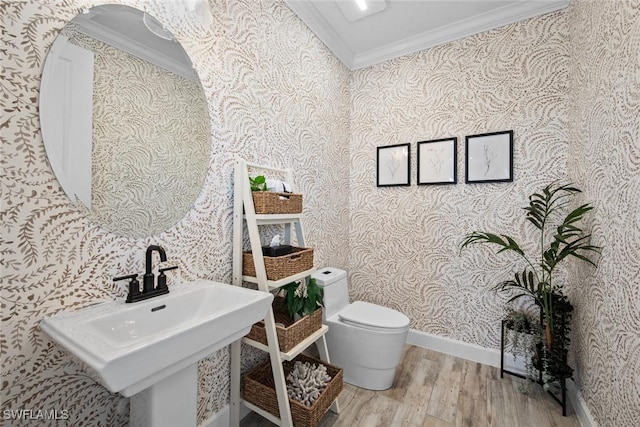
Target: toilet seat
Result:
[373, 317]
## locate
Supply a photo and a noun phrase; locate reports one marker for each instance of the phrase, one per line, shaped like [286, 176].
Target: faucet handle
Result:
[162, 278]
[134, 285]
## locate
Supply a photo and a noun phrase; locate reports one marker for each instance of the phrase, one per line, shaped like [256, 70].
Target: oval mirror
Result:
[124, 121]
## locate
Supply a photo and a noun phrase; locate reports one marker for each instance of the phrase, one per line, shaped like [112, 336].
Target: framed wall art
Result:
[393, 165]
[489, 157]
[437, 161]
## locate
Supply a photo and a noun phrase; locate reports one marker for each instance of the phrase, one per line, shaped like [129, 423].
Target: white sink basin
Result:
[131, 347]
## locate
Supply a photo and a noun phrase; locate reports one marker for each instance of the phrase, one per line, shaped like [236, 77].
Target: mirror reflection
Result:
[124, 120]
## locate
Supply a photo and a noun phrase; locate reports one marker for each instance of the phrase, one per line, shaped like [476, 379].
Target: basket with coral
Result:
[312, 386]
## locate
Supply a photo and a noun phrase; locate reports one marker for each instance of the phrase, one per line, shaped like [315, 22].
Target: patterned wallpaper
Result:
[147, 166]
[405, 241]
[566, 83]
[275, 95]
[604, 158]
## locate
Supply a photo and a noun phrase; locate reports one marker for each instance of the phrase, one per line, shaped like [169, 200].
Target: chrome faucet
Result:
[149, 288]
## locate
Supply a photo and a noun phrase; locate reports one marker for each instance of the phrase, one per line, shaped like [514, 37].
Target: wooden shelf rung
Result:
[274, 219]
[266, 414]
[291, 354]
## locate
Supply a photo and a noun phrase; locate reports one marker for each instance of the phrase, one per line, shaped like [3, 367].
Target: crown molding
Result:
[508, 14]
[322, 29]
[132, 47]
[486, 21]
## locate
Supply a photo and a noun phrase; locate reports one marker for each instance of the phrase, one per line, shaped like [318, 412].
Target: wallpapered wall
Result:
[146, 170]
[567, 84]
[275, 94]
[405, 241]
[604, 158]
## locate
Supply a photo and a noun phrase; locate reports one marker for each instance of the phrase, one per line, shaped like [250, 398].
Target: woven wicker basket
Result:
[259, 389]
[270, 202]
[301, 259]
[293, 332]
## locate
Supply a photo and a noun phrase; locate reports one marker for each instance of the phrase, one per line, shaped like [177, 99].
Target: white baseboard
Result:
[222, 417]
[491, 357]
[580, 406]
[463, 350]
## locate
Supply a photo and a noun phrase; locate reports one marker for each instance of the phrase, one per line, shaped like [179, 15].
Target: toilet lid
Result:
[367, 314]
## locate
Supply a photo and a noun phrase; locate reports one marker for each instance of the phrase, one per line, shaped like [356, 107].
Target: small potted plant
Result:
[258, 183]
[523, 337]
[302, 298]
[297, 314]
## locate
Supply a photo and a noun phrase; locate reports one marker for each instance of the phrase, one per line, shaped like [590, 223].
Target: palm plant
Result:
[569, 240]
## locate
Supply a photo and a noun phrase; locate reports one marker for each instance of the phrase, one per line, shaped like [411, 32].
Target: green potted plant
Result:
[523, 337]
[558, 240]
[258, 183]
[303, 298]
[296, 313]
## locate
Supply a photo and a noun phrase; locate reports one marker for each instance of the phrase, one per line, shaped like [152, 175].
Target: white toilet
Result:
[365, 340]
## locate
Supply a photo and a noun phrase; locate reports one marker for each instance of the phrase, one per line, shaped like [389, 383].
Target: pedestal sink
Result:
[149, 350]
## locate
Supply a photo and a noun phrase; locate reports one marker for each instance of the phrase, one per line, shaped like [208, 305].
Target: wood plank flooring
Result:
[433, 389]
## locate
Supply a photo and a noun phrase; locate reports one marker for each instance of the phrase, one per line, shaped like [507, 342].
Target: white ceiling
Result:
[123, 27]
[407, 26]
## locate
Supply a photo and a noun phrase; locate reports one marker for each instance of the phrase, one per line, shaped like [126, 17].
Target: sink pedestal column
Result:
[170, 402]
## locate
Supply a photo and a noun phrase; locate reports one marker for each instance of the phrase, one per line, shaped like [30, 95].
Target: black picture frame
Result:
[489, 157]
[393, 164]
[437, 162]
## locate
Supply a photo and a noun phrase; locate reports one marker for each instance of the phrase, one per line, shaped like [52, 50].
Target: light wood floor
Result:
[434, 389]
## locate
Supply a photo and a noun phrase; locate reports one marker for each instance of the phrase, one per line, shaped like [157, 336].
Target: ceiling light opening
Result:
[354, 10]
[362, 4]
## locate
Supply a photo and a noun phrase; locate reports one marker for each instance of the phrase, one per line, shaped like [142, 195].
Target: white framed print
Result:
[437, 162]
[393, 165]
[489, 157]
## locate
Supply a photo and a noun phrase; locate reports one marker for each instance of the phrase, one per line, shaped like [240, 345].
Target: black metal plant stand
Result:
[562, 399]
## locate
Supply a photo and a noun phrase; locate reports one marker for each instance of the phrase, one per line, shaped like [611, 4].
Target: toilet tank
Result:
[336, 292]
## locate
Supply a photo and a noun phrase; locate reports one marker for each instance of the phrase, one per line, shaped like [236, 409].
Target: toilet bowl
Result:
[365, 340]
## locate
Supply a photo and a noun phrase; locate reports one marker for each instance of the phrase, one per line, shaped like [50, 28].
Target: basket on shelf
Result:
[301, 259]
[271, 202]
[293, 332]
[259, 389]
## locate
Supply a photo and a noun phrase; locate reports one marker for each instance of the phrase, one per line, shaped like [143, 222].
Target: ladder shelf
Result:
[244, 212]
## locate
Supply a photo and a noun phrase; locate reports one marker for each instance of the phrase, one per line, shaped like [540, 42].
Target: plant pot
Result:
[536, 359]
